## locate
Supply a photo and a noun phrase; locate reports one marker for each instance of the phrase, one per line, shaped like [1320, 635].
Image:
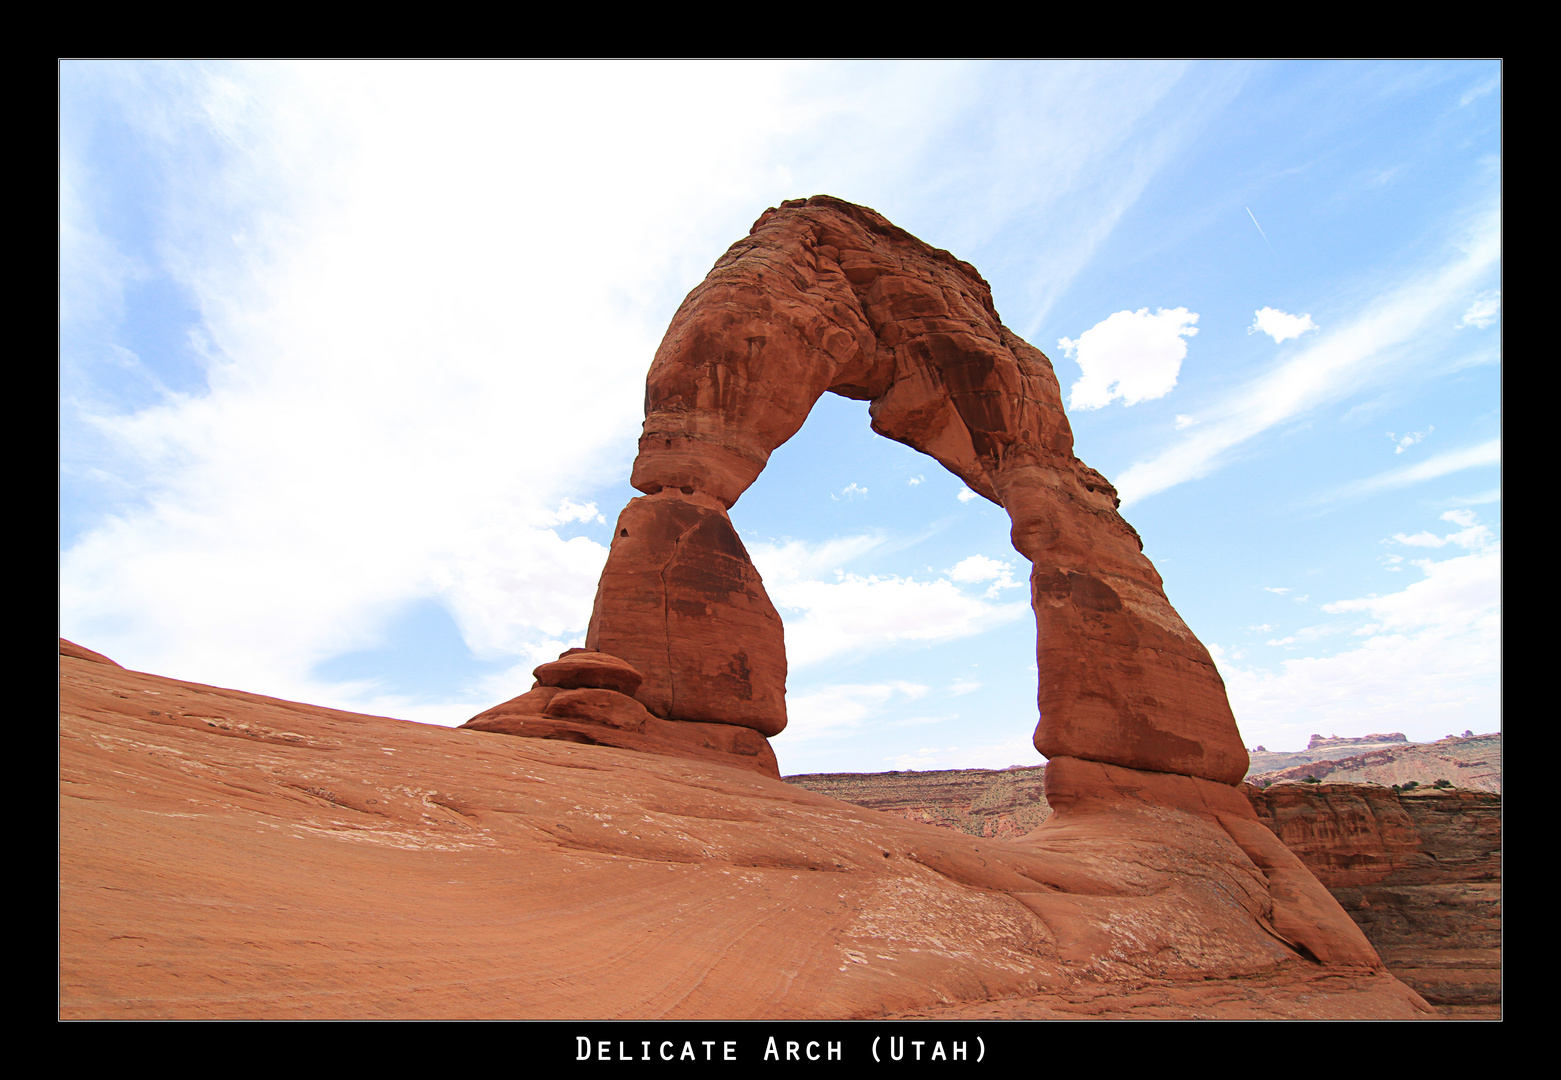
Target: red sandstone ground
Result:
[225, 854]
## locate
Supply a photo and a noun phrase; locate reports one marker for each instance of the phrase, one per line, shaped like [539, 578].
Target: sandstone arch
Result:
[826, 296]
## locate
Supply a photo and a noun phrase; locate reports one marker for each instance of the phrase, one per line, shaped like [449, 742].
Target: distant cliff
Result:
[998, 804]
[1419, 872]
[1471, 762]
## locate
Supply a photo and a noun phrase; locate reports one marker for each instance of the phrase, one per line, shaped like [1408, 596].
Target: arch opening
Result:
[825, 296]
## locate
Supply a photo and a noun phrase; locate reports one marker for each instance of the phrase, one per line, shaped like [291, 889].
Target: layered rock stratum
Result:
[1419, 871]
[993, 803]
[227, 854]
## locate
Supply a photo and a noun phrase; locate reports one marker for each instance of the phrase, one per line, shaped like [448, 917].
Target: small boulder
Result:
[579, 669]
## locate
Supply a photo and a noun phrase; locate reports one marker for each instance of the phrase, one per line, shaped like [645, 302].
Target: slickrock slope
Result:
[1472, 763]
[1419, 872]
[998, 803]
[224, 854]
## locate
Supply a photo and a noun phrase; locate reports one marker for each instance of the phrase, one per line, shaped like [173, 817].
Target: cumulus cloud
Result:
[830, 613]
[965, 495]
[979, 568]
[854, 614]
[1131, 355]
[1279, 325]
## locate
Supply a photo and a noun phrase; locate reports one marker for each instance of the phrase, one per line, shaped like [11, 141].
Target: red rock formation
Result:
[584, 697]
[824, 296]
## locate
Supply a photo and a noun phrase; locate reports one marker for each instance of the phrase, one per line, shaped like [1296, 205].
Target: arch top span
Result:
[826, 296]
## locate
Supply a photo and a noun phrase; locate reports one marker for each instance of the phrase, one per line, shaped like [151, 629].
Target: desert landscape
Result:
[618, 842]
[224, 855]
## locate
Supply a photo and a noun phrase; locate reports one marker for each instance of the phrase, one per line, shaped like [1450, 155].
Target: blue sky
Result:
[352, 361]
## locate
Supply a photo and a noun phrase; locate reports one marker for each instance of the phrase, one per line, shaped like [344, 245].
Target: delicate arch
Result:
[823, 295]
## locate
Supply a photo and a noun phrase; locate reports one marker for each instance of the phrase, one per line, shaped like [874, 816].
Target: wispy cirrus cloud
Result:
[1469, 457]
[1336, 364]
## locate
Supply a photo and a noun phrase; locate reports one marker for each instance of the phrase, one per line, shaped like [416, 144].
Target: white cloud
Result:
[997, 755]
[1493, 495]
[1454, 592]
[569, 510]
[1404, 442]
[387, 284]
[1429, 662]
[1131, 355]
[965, 495]
[1183, 421]
[1470, 457]
[979, 568]
[1485, 310]
[857, 614]
[854, 613]
[840, 710]
[796, 560]
[1279, 325]
[913, 481]
[960, 687]
[1334, 365]
[850, 491]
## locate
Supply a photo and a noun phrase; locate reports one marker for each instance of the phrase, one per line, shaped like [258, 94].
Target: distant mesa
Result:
[1470, 762]
[1334, 741]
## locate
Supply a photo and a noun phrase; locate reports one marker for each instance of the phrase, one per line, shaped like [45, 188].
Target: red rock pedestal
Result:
[583, 697]
[681, 601]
